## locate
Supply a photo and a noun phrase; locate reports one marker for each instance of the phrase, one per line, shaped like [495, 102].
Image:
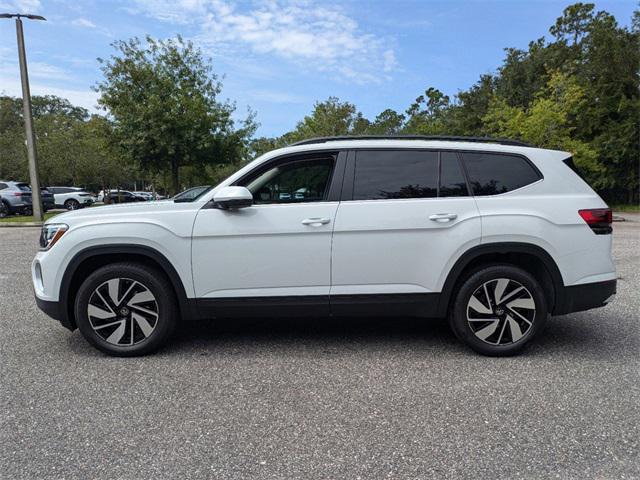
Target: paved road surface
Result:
[335, 399]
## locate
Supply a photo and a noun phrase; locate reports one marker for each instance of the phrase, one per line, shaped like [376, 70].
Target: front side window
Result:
[293, 182]
[493, 173]
[389, 174]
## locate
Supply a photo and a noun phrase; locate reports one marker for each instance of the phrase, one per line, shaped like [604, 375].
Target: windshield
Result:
[192, 194]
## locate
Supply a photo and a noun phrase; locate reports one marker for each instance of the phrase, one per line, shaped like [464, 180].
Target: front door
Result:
[276, 253]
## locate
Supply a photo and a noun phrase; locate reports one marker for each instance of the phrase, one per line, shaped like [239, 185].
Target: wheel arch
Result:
[530, 257]
[91, 258]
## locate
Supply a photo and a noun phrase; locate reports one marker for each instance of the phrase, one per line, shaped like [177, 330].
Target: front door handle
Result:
[443, 217]
[315, 221]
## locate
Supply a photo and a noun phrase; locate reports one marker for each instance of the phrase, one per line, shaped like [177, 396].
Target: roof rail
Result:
[445, 138]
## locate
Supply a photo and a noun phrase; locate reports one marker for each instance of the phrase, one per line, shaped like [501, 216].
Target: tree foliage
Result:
[73, 147]
[163, 99]
[577, 92]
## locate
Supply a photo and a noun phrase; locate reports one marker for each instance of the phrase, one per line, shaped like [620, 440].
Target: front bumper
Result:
[577, 298]
[55, 310]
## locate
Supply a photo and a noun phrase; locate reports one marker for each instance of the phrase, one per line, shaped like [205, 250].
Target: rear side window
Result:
[493, 173]
[3, 186]
[23, 187]
[388, 174]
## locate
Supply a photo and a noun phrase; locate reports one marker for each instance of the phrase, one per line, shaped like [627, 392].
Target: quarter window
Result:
[492, 173]
[294, 182]
[387, 174]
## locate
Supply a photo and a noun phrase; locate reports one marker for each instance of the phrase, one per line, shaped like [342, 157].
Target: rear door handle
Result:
[443, 217]
[315, 221]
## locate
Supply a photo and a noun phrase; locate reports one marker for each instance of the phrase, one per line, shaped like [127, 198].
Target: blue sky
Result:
[280, 56]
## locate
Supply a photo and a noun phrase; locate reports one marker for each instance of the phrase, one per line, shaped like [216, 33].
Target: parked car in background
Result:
[192, 194]
[71, 198]
[149, 196]
[122, 196]
[15, 197]
[141, 196]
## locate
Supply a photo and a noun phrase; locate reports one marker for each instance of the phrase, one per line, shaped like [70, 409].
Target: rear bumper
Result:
[55, 310]
[578, 298]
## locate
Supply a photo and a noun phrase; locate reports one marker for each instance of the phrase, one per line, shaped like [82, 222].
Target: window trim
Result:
[349, 174]
[334, 189]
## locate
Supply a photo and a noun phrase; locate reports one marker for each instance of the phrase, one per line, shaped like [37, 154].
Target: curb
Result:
[20, 224]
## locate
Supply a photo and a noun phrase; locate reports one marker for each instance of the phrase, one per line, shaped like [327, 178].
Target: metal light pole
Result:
[36, 198]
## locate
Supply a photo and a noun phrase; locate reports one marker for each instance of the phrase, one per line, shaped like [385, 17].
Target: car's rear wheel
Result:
[72, 204]
[126, 309]
[498, 310]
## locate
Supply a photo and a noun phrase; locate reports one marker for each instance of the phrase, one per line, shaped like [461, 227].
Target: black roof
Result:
[446, 138]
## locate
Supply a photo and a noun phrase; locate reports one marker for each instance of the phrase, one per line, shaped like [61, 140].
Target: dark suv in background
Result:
[15, 197]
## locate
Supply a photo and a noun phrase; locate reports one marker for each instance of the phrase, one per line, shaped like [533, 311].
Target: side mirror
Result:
[233, 197]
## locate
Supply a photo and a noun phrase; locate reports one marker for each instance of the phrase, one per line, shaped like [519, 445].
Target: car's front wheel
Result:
[126, 309]
[498, 310]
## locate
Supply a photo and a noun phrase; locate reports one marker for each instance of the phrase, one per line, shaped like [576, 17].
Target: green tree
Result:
[163, 98]
[330, 118]
[548, 122]
[428, 114]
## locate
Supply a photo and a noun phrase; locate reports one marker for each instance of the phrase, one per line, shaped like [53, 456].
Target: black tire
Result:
[72, 204]
[27, 211]
[132, 278]
[5, 211]
[501, 328]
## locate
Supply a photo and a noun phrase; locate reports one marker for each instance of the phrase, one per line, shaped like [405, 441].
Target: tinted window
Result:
[385, 174]
[491, 173]
[3, 186]
[192, 194]
[298, 181]
[452, 182]
[23, 187]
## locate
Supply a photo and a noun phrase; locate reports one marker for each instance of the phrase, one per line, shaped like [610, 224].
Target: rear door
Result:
[405, 217]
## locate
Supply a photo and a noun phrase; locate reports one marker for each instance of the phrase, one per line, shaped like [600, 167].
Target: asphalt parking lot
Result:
[337, 399]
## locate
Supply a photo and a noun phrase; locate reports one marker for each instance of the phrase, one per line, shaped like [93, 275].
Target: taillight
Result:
[17, 194]
[599, 219]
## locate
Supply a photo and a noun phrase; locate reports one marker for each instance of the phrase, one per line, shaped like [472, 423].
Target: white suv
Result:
[494, 235]
[71, 198]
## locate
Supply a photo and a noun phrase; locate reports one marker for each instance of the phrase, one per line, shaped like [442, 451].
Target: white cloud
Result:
[84, 98]
[314, 37]
[21, 6]
[83, 22]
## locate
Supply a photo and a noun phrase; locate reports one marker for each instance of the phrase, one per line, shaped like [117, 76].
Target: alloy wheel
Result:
[501, 311]
[123, 312]
[73, 205]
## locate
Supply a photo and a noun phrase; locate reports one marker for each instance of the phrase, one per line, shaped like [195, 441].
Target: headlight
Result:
[50, 234]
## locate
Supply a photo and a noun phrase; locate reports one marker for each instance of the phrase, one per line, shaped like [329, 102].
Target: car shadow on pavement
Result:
[571, 334]
[322, 330]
